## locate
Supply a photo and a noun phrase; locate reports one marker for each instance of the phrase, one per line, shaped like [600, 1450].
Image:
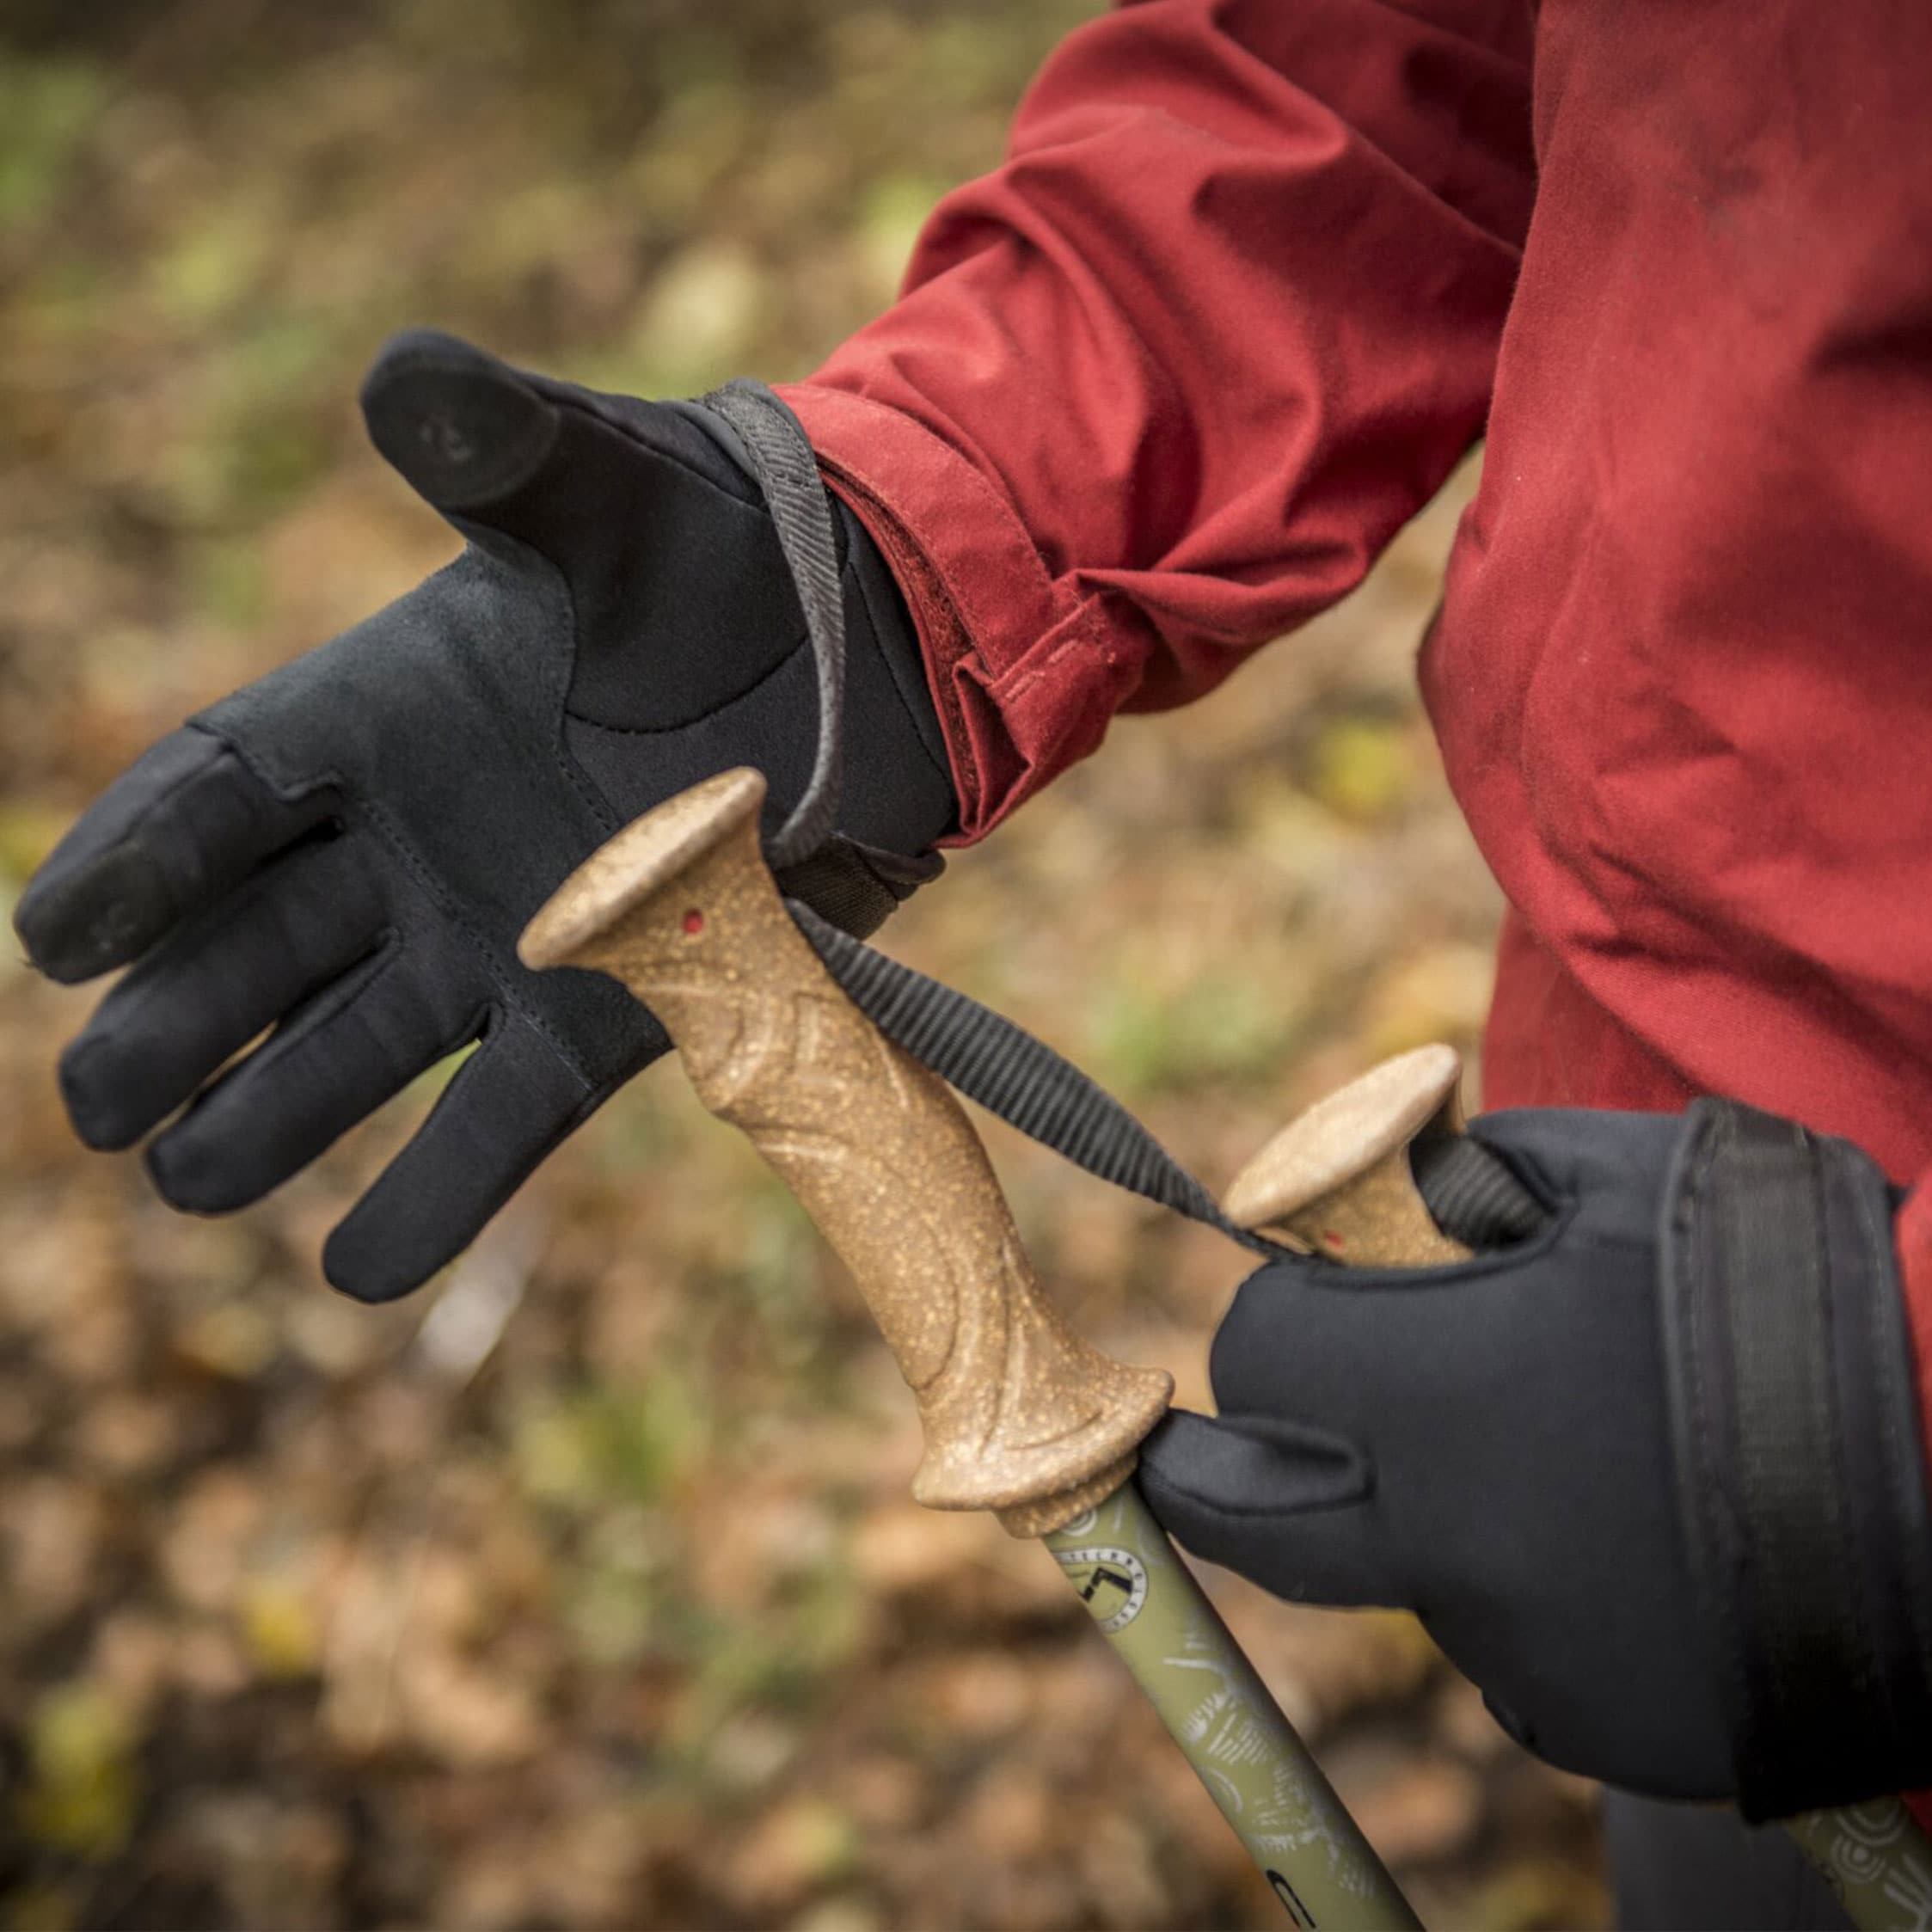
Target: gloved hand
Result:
[1653, 1478]
[346, 850]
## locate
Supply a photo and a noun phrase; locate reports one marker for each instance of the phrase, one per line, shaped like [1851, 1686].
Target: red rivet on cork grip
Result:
[694, 923]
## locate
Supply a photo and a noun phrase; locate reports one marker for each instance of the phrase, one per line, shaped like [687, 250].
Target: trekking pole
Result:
[1019, 1415]
[1343, 1180]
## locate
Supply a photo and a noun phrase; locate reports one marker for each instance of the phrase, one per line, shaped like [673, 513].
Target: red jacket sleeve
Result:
[1162, 385]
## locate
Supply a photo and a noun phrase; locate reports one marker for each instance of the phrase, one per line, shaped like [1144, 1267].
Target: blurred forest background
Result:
[583, 1590]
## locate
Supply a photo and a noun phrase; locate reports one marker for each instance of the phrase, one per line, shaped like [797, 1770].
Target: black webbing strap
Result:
[985, 1057]
[1471, 1195]
[1009, 1073]
[854, 884]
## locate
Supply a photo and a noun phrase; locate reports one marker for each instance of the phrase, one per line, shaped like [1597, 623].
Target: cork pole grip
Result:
[1337, 1180]
[1021, 1416]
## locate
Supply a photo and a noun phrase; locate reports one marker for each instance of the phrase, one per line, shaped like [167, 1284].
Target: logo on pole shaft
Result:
[1112, 1583]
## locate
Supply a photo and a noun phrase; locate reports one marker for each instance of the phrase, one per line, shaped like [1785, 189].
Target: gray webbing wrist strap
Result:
[984, 1056]
[788, 473]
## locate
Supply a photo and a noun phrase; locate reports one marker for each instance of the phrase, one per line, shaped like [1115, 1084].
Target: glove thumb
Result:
[1286, 1505]
[464, 429]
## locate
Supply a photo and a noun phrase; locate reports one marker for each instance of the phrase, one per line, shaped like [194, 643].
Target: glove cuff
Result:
[1802, 1481]
[857, 887]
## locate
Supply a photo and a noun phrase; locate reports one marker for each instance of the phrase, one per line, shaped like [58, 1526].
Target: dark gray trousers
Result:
[1701, 1868]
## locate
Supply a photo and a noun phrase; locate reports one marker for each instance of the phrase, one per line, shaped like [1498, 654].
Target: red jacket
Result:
[1257, 272]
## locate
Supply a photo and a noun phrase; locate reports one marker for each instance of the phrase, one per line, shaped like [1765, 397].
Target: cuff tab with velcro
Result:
[1802, 1481]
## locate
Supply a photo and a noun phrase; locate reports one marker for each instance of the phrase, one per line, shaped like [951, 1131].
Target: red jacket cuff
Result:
[1022, 669]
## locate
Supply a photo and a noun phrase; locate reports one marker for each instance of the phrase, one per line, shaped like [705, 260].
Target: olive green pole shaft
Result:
[1876, 1859]
[1150, 1608]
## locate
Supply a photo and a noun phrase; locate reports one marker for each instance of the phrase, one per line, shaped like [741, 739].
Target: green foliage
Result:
[614, 1443]
[48, 108]
[82, 1788]
[1364, 767]
[1218, 1028]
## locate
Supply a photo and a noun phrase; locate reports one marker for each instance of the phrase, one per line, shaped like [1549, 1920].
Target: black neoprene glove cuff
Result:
[1790, 1389]
[1651, 1475]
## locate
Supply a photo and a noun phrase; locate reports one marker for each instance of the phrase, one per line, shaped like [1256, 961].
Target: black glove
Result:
[346, 850]
[1653, 1478]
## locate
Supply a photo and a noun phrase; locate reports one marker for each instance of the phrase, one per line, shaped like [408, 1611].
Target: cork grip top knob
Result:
[1338, 1179]
[1019, 1415]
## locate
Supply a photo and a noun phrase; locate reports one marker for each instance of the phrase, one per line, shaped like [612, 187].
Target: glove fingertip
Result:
[1276, 1501]
[1250, 1464]
[462, 428]
[77, 923]
[92, 1102]
[191, 1178]
[1176, 1474]
[355, 1265]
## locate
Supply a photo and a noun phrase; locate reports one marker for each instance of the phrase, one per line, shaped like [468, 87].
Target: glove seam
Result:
[372, 809]
[572, 397]
[116, 1024]
[326, 1005]
[478, 941]
[500, 548]
[329, 779]
[801, 642]
[579, 780]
